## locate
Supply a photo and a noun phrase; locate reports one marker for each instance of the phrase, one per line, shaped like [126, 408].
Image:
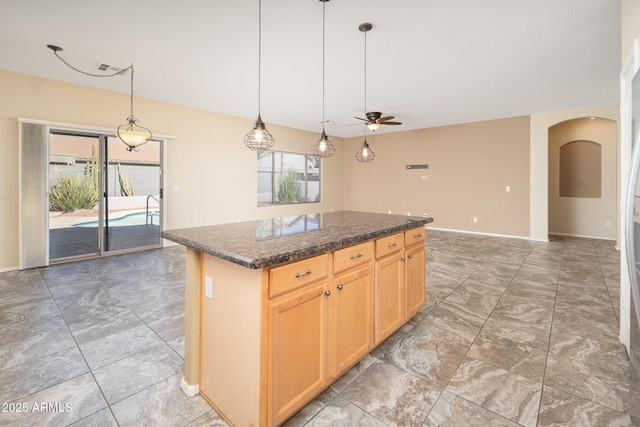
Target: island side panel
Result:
[191, 380]
[230, 351]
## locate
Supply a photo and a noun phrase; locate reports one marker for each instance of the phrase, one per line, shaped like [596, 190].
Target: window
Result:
[285, 178]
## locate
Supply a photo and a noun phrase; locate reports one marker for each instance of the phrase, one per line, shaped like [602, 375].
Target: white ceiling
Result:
[429, 62]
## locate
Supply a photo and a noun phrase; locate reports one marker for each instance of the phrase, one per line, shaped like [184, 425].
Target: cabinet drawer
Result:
[352, 256]
[390, 244]
[296, 274]
[412, 237]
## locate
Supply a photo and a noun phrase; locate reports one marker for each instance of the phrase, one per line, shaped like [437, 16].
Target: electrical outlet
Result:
[475, 219]
[508, 189]
[607, 224]
[208, 287]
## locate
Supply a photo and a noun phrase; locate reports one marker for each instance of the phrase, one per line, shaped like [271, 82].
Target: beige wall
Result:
[470, 166]
[579, 216]
[216, 173]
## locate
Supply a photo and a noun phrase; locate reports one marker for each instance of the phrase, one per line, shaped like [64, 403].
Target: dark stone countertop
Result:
[270, 242]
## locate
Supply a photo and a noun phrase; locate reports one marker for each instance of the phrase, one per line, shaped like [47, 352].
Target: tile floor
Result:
[514, 333]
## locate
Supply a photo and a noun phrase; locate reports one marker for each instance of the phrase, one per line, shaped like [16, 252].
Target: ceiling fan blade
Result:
[390, 123]
[359, 118]
[384, 119]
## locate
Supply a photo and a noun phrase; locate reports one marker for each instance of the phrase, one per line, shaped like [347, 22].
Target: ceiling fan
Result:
[374, 120]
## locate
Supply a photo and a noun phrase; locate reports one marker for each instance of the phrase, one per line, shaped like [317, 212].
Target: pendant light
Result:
[323, 147]
[131, 133]
[259, 138]
[365, 153]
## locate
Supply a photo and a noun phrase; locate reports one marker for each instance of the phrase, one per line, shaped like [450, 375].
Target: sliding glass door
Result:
[74, 194]
[132, 189]
[102, 198]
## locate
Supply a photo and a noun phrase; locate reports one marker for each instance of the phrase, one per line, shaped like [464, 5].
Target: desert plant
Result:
[91, 170]
[72, 192]
[126, 183]
[288, 187]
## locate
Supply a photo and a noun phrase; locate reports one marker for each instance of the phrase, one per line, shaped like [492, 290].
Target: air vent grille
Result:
[103, 66]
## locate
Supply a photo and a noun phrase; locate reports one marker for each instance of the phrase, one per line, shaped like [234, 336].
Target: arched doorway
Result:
[583, 171]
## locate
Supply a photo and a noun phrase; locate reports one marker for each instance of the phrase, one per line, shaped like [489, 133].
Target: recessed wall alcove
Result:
[580, 169]
[582, 186]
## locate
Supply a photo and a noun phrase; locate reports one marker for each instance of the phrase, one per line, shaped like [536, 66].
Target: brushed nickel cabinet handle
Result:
[298, 275]
[356, 256]
[390, 245]
[327, 292]
[340, 287]
[415, 236]
[402, 259]
[410, 256]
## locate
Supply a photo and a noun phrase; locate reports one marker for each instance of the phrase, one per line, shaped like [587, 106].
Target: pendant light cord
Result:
[323, 62]
[117, 73]
[365, 73]
[131, 90]
[259, 49]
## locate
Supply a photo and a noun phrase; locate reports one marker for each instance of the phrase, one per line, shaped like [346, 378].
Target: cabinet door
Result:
[389, 296]
[353, 316]
[297, 350]
[414, 277]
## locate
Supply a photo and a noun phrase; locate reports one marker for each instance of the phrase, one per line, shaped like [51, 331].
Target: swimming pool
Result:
[138, 218]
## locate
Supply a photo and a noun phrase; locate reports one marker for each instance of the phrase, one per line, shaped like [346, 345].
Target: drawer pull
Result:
[299, 276]
[356, 256]
[410, 256]
[390, 245]
[340, 287]
[327, 292]
[402, 259]
[416, 236]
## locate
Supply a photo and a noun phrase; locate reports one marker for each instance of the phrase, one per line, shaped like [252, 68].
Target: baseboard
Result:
[581, 236]
[5, 269]
[189, 390]
[487, 234]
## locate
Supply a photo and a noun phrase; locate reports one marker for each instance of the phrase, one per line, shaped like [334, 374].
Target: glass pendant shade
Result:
[323, 147]
[259, 138]
[373, 126]
[132, 134]
[365, 153]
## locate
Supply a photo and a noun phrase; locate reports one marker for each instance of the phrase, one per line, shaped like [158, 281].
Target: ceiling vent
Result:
[103, 66]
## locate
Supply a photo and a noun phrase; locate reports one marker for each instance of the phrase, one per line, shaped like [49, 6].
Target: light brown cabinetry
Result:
[352, 316]
[399, 280]
[415, 280]
[389, 295]
[273, 339]
[297, 363]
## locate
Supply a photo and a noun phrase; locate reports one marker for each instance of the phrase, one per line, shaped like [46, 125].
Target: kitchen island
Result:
[277, 309]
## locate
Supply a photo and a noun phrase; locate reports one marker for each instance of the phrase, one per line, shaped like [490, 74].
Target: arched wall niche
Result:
[580, 169]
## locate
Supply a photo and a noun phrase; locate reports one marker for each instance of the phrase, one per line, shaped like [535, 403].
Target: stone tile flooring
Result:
[514, 333]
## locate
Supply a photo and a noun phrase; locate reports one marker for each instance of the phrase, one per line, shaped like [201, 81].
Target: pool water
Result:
[138, 218]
